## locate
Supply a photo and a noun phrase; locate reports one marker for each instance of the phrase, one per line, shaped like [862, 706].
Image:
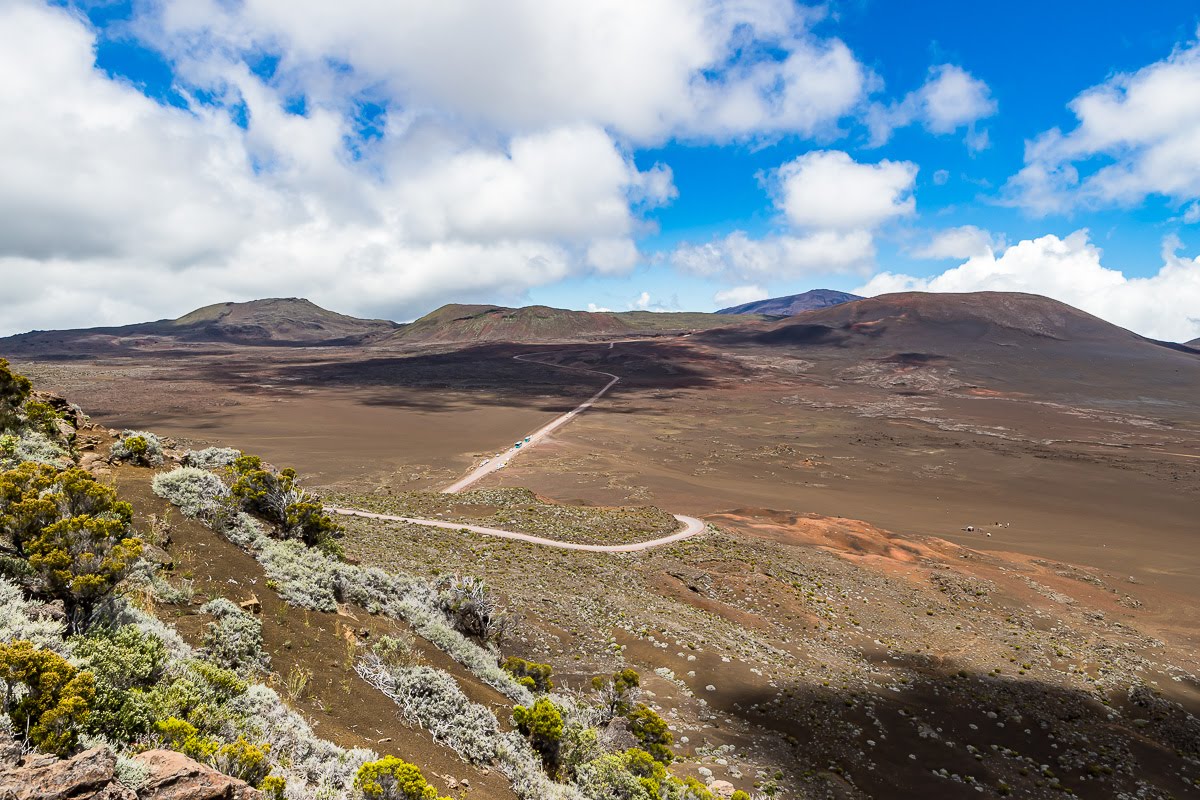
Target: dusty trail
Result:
[691, 525]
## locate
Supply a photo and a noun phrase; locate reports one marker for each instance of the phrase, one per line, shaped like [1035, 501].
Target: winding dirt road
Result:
[691, 525]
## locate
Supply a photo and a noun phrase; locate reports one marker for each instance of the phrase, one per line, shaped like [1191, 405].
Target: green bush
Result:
[542, 725]
[138, 447]
[618, 693]
[42, 416]
[72, 533]
[391, 778]
[14, 391]
[651, 732]
[57, 697]
[126, 664]
[275, 497]
[531, 675]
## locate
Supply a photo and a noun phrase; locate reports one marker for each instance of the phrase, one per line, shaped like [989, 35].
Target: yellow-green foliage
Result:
[127, 665]
[14, 391]
[277, 498]
[274, 787]
[542, 725]
[391, 778]
[239, 758]
[618, 692]
[651, 732]
[43, 416]
[72, 534]
[57, 699]
[531, 675]
[739, 795]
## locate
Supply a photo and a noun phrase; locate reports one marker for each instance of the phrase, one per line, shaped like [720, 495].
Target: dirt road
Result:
[691, 525]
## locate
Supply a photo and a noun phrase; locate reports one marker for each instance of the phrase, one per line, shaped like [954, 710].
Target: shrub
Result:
[18, 621]
[42, 416]
[197, 492]
[14, 391]
[72, 533]
[472, 608]
[126, 664]
[56, 700]
[533, 676]
[235, 640]
[243, 760]
[138, 447]
[397, 651]
[211, 457]
[618, 693]
[651, 732]
[34, 446]
[390, 778]
[542, 725]
[276, 497]
[433, 700]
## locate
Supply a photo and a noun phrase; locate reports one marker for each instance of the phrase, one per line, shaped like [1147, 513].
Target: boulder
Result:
[174, 776]
[722, 789]
[87, 776]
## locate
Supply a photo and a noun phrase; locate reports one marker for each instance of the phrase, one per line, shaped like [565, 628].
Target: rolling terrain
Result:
[949, 542]
[459, 323]
[282, 322]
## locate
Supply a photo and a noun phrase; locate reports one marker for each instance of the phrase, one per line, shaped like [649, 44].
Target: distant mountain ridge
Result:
[793, 304]
[276, 321]
[459, 323]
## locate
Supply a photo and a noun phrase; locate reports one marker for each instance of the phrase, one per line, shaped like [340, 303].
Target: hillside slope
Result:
[1006, 340]
[484, 323]
[793, 303]
[287, 322]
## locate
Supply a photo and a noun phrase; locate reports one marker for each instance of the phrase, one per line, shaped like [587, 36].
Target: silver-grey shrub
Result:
[432, 699]
[19, 620]
[313, 766]
[235, 640]
[197, 492]
[211, 457]
[154, 449]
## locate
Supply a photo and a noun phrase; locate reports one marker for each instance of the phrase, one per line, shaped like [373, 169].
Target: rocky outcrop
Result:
[174, 776]
[91, 775]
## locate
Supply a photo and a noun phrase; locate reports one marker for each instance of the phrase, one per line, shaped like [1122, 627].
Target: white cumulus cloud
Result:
[737, 295]
[1136, 134]
[961, 242]
[828, 189]
[740, 257]
[116, 208]
[1164, 306]
[649, 70]
[950, 99]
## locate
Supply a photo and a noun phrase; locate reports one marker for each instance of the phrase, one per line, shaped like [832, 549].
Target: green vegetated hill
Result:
[459, 323]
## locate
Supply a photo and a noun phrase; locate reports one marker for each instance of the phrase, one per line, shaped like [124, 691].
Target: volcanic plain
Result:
[953, 545]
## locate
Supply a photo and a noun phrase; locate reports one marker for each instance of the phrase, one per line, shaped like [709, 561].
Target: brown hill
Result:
[483, 323]
[289, 322]
[1005, 340]
[793, 303]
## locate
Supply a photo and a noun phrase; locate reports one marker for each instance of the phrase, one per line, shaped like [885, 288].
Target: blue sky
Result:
[383, 157]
